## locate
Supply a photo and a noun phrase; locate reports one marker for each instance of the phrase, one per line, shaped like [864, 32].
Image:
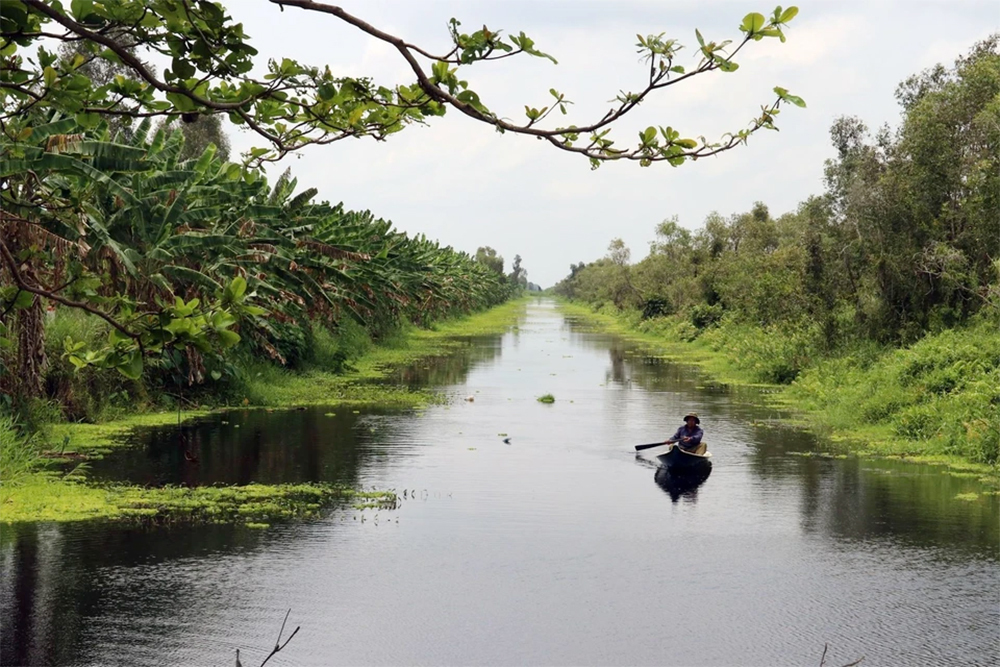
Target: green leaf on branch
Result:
[235, 290]
[24, 300]
[131, 367]
[82, 9]
[784, 96]
[228, 338]
[182, 69]
[181, 102]
[753, 23]
[788, 14]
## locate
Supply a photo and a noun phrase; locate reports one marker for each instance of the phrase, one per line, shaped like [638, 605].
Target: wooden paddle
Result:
[639, 448]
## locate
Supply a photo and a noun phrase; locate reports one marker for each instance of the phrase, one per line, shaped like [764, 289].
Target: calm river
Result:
[560, 548]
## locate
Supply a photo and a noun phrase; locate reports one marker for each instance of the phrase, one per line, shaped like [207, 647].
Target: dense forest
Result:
[879, 298]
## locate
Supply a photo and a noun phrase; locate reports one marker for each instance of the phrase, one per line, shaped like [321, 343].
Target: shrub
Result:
[18, 451]
[917, 422]
[704, 315]
[656, 308]
[89, 394]
[773, 354]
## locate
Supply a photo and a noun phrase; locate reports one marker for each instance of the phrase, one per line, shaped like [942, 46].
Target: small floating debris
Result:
[330, 414]
[547, 398]
[470, 399]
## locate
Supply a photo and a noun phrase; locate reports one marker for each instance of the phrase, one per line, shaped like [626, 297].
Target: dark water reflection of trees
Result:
[452, 368]
[315, 444]
[55, 579]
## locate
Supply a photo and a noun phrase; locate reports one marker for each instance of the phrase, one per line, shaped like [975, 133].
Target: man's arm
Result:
[695, 439]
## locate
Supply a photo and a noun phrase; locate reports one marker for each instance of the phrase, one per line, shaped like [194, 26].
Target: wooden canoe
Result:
[680, 459]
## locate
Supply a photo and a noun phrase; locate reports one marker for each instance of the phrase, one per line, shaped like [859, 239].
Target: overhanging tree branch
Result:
[298, 105]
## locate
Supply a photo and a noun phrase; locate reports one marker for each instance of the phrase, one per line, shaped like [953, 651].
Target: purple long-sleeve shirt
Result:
[694, 434]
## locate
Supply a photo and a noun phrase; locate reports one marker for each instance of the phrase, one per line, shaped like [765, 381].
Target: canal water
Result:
[558, 546]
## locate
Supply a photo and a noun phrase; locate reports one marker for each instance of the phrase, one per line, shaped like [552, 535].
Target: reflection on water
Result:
[681, 484]
[317, 444]
[57, 579]
[552, 549]
[314, 444]
[450, 369]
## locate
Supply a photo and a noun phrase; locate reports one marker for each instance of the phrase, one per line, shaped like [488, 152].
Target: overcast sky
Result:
[463, 184]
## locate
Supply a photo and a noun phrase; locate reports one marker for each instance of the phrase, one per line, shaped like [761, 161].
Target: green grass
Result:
[19, 452]
[938, 397]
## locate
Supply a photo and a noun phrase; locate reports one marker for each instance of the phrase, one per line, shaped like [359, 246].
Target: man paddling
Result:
[688, 436]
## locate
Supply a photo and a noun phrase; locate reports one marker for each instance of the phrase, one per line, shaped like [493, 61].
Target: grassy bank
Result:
[935, 401]
[43, 472]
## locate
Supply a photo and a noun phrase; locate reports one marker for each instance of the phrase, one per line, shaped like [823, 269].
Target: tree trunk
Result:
[31, 360]
[29, 326]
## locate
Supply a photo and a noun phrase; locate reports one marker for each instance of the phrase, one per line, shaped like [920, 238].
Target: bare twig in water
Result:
[278, 645]
[822, 659]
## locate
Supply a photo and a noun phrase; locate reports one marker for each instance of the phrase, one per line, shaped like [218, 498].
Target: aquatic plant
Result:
[547, 398]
